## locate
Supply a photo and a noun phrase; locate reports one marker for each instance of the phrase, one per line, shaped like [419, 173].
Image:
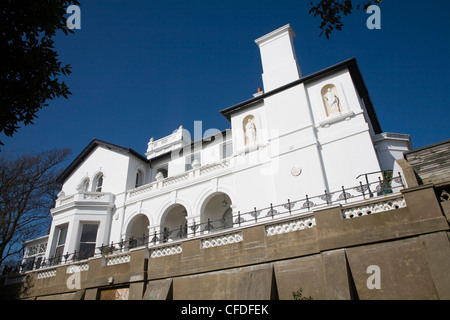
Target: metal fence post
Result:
[362, 189]
[345, 195]
[401, 180]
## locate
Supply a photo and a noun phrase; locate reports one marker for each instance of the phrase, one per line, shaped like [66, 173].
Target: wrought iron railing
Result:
[383, 186]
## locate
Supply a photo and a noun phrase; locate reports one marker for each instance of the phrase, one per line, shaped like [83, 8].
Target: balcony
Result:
[179, 138]
[294, 215]
[197, 172]
[84, 199]
[359, 201]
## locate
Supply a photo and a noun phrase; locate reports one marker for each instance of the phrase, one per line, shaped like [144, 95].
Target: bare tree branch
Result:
[28, 190]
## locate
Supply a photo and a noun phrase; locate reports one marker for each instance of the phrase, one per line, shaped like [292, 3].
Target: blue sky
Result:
[142, 68]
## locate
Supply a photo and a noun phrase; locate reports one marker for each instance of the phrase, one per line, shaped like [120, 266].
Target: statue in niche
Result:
[250, 132]
[331, 100]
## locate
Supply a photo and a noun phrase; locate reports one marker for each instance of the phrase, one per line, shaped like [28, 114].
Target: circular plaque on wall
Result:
[296, 171]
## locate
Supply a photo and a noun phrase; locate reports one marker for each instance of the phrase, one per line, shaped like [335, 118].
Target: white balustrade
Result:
[166, 251]
[48, 273]
[374, 207]
[290, 226]
[81, 267]
[114, 260]
[222, 240]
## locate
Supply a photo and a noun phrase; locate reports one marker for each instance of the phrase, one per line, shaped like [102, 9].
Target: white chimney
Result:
[278, 58]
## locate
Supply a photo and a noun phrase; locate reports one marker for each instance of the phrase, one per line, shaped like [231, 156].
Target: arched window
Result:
[85, 185]
[139, 179]
[98, 183]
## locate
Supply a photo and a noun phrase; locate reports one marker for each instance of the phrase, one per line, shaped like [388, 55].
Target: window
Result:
[164, 170]
[29, 264]
[85, 185]
[38, 262]
[98, 183]
[227, 150]
[139, 179]
[61, 241]
[88, 241]
[190, 160]
[114, 294]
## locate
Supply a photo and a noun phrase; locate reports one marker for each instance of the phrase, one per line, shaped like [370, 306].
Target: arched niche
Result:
[250, 131]
[331, 100]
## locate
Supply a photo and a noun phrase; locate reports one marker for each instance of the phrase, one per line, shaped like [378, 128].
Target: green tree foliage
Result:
[332, 11]
[28, 190]
[29, 68]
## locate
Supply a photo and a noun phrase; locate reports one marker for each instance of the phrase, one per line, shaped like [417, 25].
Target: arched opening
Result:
[139, 180]
[216, 213]
[137, 232]
[331, 100]
[98, 183]
[174, 223]
[250, 132]
[85, 185]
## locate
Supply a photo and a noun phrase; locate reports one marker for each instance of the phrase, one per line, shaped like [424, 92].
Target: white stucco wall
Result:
[113, 165]
[299, 150]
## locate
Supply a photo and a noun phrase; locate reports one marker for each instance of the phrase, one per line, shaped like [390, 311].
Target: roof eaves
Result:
[350, 64]
[227, 112]
[89, 148]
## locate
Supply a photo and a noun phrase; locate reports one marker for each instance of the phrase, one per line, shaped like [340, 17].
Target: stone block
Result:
[159, 290]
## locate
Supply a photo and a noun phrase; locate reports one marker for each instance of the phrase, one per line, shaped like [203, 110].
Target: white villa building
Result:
[300, 143]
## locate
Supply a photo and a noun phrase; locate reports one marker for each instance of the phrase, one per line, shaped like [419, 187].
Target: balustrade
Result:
[378, 196]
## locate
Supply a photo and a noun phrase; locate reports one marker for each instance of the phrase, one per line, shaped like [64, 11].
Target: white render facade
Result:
[301, 137]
